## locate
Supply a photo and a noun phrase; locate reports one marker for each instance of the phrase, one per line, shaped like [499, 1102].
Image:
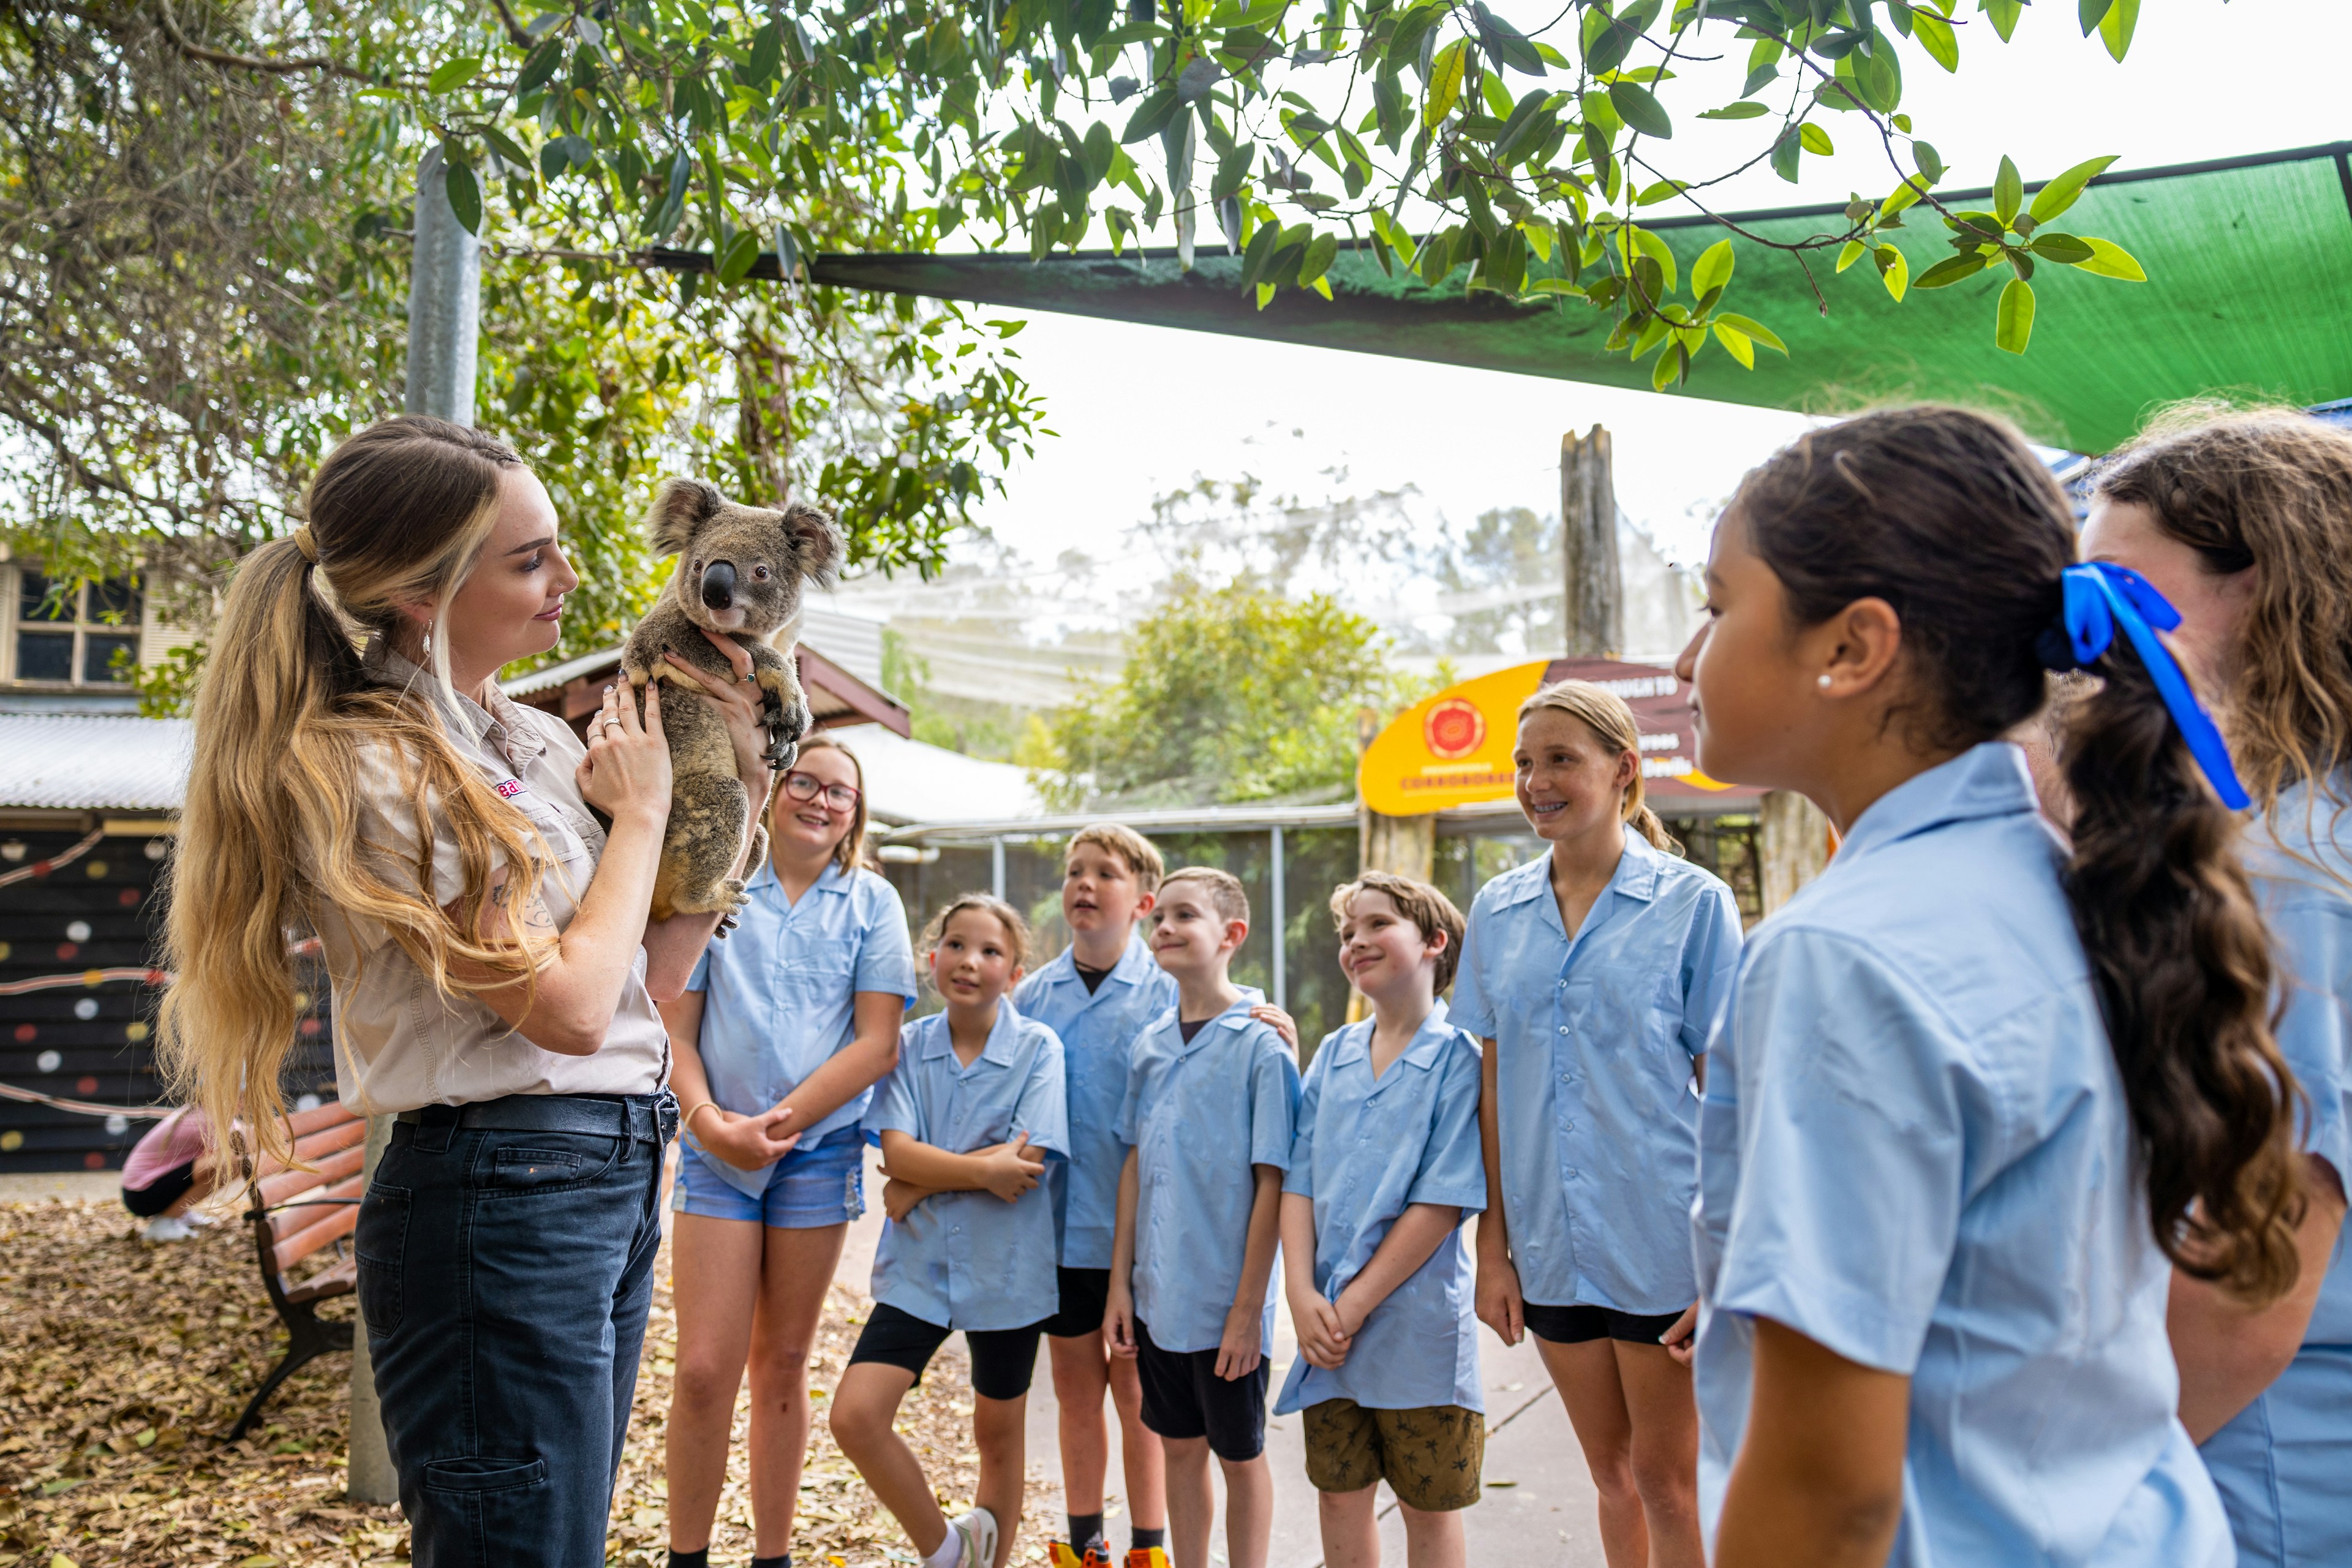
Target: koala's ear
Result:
[680, 507]
[816, 542]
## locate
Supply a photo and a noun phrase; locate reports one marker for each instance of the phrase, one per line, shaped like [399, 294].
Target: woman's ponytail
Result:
[2182, 964]
[1949, 518]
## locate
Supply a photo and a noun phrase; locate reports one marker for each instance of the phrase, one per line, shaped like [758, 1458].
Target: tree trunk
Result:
[1588, 533]
[1796, 845]
[763, 413]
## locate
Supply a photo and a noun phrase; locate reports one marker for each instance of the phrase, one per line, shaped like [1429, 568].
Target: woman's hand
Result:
[1282, 1024]
[746, 1142]
[626, 771]
[743, 707]
[1500, 1306]
[1681, 1340]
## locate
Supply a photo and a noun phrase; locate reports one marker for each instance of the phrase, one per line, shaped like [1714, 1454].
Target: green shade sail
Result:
[2249, 292]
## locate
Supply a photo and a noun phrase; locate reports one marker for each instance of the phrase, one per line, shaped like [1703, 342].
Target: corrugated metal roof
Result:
[61, 761]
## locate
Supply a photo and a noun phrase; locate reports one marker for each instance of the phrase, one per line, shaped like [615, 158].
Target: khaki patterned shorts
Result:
[1431, 1457]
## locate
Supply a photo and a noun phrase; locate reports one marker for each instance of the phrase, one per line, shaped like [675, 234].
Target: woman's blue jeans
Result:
[506, 1266]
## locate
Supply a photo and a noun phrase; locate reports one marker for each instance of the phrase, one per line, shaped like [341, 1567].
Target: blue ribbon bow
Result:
[2099, 596]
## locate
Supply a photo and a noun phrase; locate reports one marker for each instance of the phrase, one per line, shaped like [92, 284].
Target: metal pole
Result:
[444, 297]
[996, 867]
[1281, 987]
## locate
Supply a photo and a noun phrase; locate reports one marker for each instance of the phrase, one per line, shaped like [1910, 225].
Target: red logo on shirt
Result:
[509, 788]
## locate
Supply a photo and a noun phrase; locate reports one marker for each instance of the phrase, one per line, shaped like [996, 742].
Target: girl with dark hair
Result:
[1973, 1089]
[782, 1032]
[2244, 522]
[358, 772]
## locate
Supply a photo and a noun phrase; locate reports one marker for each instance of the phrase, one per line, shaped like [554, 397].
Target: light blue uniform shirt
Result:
[970, 1260]
[1915, 1152]
[1098, 1030]
[1595, 1039]
[1367, 1149]
[781, 991]
[2284, 1464]
[1199, 1117]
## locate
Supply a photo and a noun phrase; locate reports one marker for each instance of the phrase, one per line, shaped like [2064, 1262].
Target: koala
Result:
[740, 574]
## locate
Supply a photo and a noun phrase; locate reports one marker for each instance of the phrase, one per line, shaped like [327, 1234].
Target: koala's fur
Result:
[738, 573]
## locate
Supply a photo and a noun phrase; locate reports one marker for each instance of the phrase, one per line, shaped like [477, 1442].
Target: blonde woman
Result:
[357, 772]
[1593, 976]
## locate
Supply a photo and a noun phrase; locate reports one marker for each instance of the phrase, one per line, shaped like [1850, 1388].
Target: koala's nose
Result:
[719, 585]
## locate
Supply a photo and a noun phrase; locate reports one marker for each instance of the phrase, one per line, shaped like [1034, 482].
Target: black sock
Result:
[1140, 1538]
[1085, 1528]
[690, 1558]
[784, 1562]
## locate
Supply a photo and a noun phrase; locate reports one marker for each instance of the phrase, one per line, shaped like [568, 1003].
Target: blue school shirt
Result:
[970, 1260]
[782, 990]
[1595, 1040]
[1367, 1148]
[2284, 1463]
[1198, 1116]
[1098, 1030]
[1915, 1152]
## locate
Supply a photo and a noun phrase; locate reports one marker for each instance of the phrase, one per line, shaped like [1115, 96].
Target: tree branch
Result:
[196, 51]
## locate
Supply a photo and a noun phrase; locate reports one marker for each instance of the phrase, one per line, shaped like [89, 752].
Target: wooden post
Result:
[1795, 846]
[1588, 535]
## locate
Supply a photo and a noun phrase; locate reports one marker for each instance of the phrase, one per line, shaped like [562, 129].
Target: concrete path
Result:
[1539, 1506]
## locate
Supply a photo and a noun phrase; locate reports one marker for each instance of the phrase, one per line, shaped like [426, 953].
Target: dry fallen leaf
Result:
[119, 1361]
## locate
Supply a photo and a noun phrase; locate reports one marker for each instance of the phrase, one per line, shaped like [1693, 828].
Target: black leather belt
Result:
[647, 1118]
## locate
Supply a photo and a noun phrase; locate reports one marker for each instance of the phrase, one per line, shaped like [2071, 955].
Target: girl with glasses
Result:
[785, 1028]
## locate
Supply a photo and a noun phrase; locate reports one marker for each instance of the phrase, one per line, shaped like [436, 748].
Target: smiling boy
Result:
[1099, 995]
[1212, 1103]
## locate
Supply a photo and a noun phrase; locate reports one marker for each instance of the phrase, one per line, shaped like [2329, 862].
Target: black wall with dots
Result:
[92, 1039]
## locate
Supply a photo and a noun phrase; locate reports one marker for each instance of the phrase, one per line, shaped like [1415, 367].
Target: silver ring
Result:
[612, 724]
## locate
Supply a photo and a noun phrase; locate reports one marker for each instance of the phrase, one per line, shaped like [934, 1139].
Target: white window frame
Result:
[81, 629]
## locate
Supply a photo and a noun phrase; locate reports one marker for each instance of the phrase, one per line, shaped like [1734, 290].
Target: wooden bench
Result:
[294, 1214]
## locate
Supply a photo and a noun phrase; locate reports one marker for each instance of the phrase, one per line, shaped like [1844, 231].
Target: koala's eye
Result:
[695, 570]
[759, 573]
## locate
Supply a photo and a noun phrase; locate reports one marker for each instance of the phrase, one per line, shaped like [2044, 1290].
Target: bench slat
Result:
[328, 1283]
[277, 1189]
[318, 1226]
[332, 1114]
[315, 1146]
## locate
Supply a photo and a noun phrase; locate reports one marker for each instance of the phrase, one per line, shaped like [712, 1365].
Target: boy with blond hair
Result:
[1211, 1108]
[1099, 995]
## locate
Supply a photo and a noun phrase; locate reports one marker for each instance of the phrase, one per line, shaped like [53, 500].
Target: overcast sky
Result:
[1140, 410]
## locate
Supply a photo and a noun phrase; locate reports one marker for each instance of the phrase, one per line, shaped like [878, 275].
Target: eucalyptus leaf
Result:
[2061, 193]
[1640, 108]
[2013, 329]
[464, 196]
[2109, 259]
[2007, 190]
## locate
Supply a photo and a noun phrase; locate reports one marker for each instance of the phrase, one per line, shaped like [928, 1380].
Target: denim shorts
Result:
[807, 1189]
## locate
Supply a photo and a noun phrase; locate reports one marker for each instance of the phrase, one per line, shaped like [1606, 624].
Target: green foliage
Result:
[1300, 126]
[1232, 694]
[204, 278]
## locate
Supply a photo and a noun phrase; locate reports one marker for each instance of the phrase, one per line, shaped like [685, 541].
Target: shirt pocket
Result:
[822, 966]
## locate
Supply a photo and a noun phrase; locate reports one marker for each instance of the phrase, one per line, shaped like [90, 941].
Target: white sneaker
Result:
[977, 1532]
[196, 1219]
[165, 1227]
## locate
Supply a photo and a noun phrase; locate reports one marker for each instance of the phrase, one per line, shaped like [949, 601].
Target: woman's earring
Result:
[1823, 682]
[428, 649]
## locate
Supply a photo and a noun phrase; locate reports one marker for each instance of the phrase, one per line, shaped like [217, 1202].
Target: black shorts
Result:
[1184, 1397]
[160, 1194]
[1580, 1325]
[1086, 1301]
[1002, 1359]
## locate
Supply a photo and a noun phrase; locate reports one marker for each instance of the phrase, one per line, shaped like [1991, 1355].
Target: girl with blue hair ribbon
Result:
[1976, 1093]
[2244, 522]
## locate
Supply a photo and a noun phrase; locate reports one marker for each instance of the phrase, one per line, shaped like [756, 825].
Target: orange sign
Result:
[1454, 748]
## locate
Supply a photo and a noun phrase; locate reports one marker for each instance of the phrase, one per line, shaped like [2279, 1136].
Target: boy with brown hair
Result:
[1099, 995]
[1211, 1106]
